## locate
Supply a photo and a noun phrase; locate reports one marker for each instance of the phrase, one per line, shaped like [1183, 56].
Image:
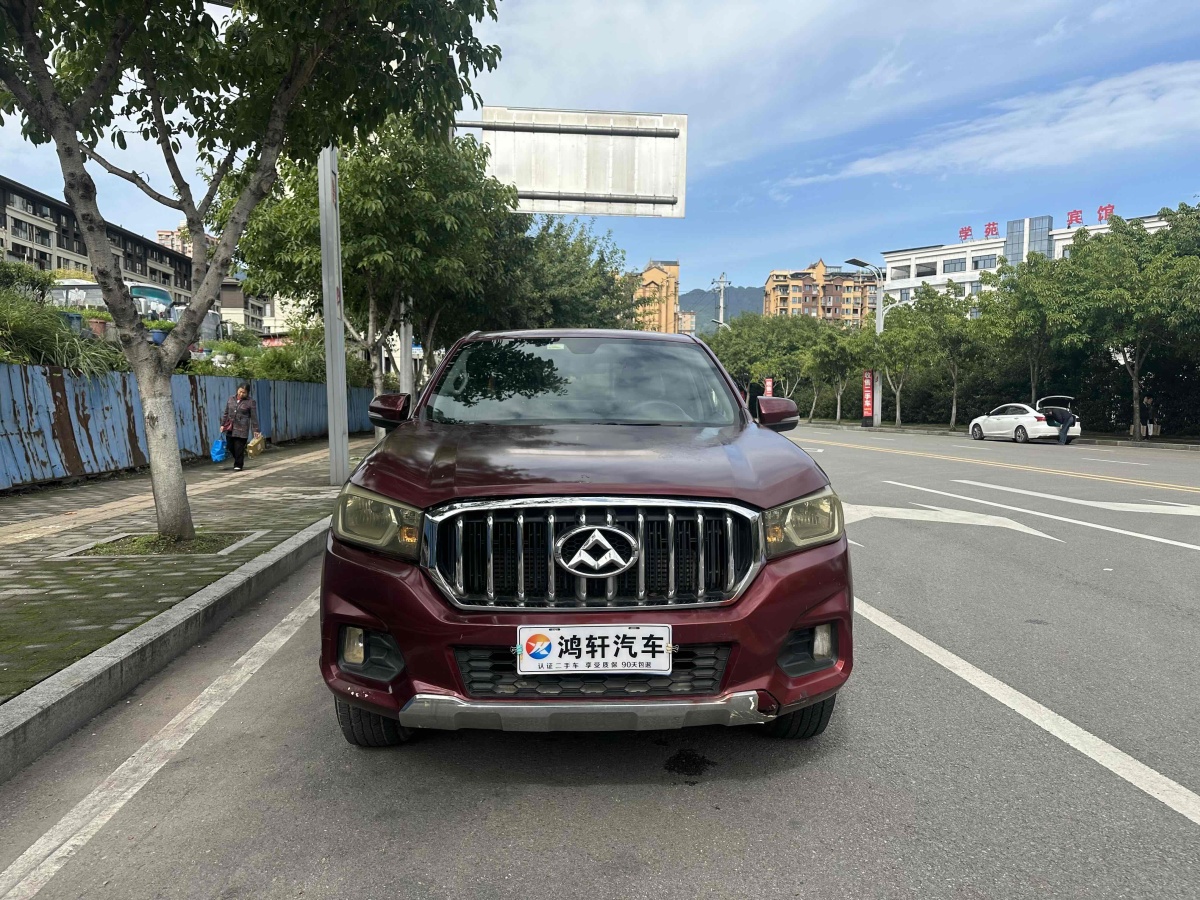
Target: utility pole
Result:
[335, 340]
[721, 283]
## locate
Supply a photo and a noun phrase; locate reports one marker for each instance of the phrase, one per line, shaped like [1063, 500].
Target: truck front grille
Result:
[697, 670]
[490, 555]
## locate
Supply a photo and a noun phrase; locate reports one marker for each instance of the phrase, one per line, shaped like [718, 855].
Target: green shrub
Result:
[158, 324]
[35, 334]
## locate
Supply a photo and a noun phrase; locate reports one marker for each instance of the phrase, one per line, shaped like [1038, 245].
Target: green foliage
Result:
[32, 282]
[243, 337]
[34, 334]
[302, 358]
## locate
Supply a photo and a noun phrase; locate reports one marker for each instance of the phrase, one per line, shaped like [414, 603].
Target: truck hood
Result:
[426, 464]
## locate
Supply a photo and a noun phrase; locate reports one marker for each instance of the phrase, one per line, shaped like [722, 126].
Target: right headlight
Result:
[807, 522]
[376, 522]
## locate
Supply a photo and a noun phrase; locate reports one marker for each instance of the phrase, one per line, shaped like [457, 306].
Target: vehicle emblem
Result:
[596, 551]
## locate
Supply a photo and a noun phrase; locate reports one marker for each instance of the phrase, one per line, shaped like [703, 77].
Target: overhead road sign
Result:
[575, 162]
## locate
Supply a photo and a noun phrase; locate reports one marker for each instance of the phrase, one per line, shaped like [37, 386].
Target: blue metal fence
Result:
[57, 424]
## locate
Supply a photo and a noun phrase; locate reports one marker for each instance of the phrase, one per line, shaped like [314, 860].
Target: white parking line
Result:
[34, 868]
[1033, 512]
[1121, 764]
[1114, 462]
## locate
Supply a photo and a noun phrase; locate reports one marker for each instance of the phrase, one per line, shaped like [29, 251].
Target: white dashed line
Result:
[1121, 764]
[1113, 462]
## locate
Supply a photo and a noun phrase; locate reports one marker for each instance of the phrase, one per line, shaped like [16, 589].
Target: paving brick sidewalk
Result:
[54, 611]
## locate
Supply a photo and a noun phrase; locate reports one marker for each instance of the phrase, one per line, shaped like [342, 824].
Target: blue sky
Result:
[827, 128]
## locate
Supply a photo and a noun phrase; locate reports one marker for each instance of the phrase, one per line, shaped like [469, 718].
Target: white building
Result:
[938, 264]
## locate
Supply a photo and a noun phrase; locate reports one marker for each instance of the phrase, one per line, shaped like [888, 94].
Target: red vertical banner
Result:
[868, 397]
[768, 387]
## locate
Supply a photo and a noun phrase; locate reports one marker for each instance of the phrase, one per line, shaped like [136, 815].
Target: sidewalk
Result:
[56, 609]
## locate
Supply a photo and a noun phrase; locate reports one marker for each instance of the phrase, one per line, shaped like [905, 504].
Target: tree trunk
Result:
[813, 410]
[898, 407]
[839, 402]
[1033, 379]
[1134, 370]
[953, 402]
[166, 469]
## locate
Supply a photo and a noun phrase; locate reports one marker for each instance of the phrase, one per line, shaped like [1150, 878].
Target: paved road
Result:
[925, 785]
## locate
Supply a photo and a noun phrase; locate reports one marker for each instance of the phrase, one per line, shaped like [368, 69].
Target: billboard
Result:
[575, 162]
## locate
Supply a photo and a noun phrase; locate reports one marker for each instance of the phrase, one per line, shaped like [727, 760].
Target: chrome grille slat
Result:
[671, 554]
[689, 553]
[491, 560]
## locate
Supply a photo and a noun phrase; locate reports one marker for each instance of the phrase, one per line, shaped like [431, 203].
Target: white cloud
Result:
[1155, 106]
[1057, 33]
[883, 74]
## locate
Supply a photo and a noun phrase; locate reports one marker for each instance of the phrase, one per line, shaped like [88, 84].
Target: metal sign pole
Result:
[335, 338]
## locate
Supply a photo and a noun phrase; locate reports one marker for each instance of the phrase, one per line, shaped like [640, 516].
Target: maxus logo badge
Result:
[596, 551]
[538, 646]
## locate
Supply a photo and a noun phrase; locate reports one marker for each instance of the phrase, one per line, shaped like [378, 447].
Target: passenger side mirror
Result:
[388, 410]
[778, 413]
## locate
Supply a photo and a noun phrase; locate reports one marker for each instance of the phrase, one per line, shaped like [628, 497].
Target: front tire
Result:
[1021, 436]
[976, 433]
[804, 723]
[367, 729]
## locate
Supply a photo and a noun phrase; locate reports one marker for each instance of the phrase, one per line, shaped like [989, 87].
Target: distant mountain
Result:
[704, 303]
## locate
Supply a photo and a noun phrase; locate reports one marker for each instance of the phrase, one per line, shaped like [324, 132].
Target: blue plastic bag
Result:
[218, 450]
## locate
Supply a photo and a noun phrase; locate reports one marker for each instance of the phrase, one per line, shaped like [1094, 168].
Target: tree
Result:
[1134, 293]
[954, 332]
[833, 360]
[417, 221]
[267, 78]
[902, 348]
[1023, 312]
[754, 347]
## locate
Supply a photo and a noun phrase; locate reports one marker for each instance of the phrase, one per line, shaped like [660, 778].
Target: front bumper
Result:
[381, 594]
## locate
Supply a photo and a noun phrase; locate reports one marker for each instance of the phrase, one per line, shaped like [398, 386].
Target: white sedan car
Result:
[1021, 423]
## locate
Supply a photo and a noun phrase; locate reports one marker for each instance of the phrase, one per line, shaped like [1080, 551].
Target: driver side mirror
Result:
[388, 410]
[778, 413]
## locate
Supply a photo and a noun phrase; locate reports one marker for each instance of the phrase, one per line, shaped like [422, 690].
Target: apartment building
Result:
[179, 240]
[660, 285]
[42, 232]
[962, 263]
[826, 292]
[241, 309]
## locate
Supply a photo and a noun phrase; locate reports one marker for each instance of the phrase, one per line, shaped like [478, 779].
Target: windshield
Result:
[583, 380]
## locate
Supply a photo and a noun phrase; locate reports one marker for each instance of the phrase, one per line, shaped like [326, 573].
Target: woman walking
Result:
[240, 422]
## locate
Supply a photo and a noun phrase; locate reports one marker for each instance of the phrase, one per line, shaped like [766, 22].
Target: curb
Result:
[37, 719]
[1100, 442]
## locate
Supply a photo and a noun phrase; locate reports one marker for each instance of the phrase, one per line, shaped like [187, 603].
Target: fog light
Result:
[354, 647]
[823, 642]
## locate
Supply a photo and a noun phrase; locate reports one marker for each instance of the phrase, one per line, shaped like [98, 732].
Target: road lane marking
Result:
[852, 512]
[1165, 509]
[1113, 462]
[1113, 479]
[1034, 512]
[1121, 764]
[37, 865]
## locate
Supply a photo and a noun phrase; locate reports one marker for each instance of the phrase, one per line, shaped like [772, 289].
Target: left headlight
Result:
[807, 522]
[377, 523]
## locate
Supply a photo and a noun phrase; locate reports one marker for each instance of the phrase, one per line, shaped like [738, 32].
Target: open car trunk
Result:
[1056, 408]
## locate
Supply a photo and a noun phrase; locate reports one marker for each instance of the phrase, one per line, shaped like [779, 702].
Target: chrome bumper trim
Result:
[447, 712]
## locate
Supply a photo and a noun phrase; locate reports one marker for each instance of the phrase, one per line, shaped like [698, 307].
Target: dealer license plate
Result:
[594, 648]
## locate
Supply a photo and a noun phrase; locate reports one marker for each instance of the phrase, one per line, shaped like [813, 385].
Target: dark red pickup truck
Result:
[584, 530]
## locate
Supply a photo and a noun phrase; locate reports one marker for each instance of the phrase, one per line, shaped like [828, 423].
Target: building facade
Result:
[962, 263]
[660, 286]
[180, 241]
[42, 232]
[241, 309]
[820, 291]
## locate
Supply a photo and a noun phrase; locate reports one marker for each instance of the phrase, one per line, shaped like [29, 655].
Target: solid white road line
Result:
[1032, 512]
[1159, 508]
[1121, 764]
[37, 865]
[1114, 462]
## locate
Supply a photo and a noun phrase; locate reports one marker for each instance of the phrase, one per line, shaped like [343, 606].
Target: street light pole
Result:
[880, 310]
